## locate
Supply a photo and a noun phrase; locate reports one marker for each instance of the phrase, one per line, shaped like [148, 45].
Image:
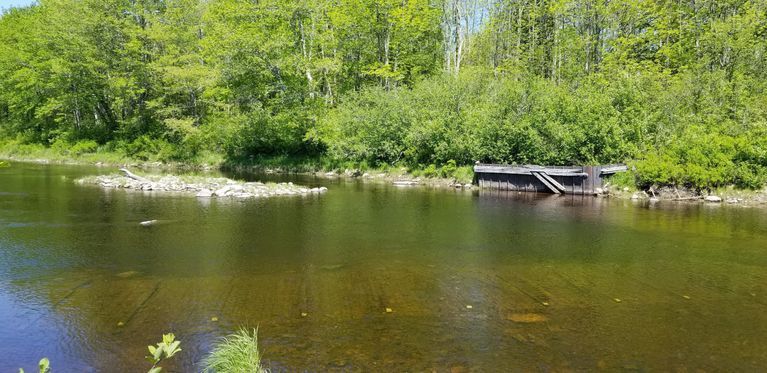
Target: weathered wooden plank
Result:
[553, 182]
[527, 171]
[542, 179]
[535, 178]
[612, 169]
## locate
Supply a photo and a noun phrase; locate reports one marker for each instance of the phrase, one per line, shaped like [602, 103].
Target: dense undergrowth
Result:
[678, 90]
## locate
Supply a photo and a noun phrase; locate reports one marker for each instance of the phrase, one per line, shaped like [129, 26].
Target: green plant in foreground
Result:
[44, 365]
[235, 353]
[4, 164]
[164, 350]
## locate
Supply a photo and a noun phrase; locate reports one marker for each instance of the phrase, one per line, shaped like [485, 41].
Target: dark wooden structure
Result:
[545, 179]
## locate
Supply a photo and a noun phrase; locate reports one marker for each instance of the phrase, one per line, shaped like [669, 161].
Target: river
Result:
[474, 281]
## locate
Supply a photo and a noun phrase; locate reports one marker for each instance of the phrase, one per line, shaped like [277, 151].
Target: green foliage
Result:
[430, 171]
[64, 147]
[237, 352]
[448, 170]
[44, 366]
[703, 159]
[146, 148]
[479, 117]
[164, 350]
[84, 147]
[623, 180]
[677, 88]
[464, 174]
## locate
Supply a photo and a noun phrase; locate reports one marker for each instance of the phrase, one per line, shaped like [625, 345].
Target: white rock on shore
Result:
[205, 193]
[405, 182]
[201, 187]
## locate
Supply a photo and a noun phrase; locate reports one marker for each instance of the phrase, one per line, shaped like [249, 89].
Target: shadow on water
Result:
[482, 281]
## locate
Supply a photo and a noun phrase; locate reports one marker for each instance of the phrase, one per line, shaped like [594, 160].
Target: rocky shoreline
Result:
[725, 195]
[201, 187]
[729, 196]
[398, 178]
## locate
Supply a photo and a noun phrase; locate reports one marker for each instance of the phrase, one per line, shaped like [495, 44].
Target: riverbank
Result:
[449, 176]
[727, 195]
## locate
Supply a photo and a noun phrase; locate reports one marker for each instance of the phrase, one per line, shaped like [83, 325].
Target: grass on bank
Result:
[235, 353]
[91, 152]
[309, 164]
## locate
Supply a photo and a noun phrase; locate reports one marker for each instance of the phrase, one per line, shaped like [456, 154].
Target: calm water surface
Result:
[475, 281]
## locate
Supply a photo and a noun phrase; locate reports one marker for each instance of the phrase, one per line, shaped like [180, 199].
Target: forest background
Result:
[677, 89]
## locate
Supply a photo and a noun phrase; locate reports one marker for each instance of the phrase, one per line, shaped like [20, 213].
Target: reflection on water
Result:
[482, 281]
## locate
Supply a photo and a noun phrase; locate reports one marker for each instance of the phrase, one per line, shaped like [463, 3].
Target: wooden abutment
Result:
[545, 179]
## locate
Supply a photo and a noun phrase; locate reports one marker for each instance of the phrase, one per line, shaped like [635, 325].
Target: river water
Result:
[474, 281]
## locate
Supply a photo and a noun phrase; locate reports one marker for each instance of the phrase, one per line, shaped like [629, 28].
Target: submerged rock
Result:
[148, 223]
[526, 318]
[127, 274]
[599, 191]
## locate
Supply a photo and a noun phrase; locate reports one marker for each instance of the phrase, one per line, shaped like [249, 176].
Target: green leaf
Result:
[168, 338]
[44, 365]
[158, 352]
[172, 349]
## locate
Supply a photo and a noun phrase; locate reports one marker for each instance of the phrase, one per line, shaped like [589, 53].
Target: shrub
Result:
[464, 174]
[448, 170]
[146, 148]
[623, 179]
[430, 171]
[84, 147]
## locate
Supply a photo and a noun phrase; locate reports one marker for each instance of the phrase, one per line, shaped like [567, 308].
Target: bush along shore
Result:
[202, 187]
[448, 175]
[625, 186]
[237, 83]
[628, 185]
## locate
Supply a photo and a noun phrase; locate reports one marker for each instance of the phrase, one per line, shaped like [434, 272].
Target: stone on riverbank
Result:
[205, 193]
[201, 187]
[404, 183]
[639, 195]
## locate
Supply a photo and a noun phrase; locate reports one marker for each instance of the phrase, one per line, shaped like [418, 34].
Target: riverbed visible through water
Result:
[472, 280]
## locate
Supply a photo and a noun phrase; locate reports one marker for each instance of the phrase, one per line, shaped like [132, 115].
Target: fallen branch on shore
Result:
[133, 176]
